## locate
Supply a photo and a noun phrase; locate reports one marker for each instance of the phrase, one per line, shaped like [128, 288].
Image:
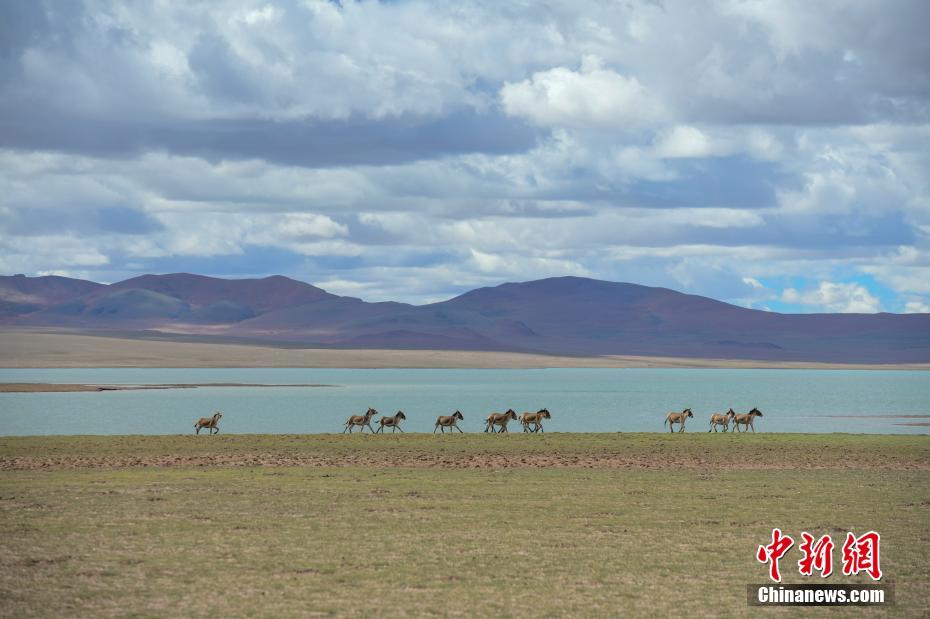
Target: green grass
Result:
[692, 449]
[389, 541]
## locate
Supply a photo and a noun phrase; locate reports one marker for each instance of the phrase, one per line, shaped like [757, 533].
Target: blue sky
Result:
[771, 154]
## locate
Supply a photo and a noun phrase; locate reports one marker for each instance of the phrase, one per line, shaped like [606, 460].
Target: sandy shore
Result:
[62, 387]
[40, 349]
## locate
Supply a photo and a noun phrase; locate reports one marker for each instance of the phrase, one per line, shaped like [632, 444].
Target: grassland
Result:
[463, 525]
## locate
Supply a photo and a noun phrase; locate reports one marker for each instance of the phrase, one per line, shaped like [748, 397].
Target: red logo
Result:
[860, 554]
[817, 555]
[773, 552]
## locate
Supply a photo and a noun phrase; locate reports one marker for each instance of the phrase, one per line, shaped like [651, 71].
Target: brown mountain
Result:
[564, 315]
[20, 295]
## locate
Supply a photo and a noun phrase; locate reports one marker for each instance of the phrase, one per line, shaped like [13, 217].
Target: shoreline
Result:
[97, 388]
[47, 350]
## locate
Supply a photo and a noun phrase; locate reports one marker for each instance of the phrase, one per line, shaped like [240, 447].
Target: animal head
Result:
[544, 413]
[401, 415]
[511, 413]
[755, 411]
[687, 412]
[731, 411]
[457, 415]
[217, 415]
[371, 412]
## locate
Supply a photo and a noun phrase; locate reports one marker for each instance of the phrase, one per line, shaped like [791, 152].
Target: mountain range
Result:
[560, 315]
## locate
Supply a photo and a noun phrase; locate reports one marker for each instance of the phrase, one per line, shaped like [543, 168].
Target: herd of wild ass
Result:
[497, 422]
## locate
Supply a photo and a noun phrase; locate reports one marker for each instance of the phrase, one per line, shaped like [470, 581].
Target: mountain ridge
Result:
[557, 315]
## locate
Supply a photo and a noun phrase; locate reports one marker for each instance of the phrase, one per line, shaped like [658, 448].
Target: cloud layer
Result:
[769, 154]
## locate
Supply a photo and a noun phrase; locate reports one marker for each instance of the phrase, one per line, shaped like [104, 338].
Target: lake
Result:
[581, 400]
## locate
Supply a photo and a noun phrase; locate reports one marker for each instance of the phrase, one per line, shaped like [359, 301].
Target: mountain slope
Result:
[153, 301]
[583, 316]
[23, 295]
[564, 315]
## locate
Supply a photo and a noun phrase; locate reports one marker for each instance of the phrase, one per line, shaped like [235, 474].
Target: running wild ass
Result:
[500, 420]
[747, 420]
[209, 423]
[360, 420]
[678, 418]
[448, 421]
[391, 422]
[535, 419]
[723, 420]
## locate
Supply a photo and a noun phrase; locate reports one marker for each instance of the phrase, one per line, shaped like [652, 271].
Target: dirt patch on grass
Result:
[636, 461]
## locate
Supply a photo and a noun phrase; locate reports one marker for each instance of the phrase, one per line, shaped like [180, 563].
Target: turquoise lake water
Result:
[581, 400]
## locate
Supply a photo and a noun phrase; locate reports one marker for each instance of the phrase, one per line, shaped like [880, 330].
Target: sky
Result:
[775, 155]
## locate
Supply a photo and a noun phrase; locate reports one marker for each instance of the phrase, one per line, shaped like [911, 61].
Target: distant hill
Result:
[562, 315]
[21, 295]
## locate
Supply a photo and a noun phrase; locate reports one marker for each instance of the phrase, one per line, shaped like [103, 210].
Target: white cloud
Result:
[644, 156]
[686, 141]
[299, 225]
[590, 97]
[835, 297]
[916, 307]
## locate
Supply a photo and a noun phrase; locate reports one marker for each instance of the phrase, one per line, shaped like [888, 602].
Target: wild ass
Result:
[747, 420]
[209, 422]
[499, 419]
[360, 420]
[723, 420]
[536, 419]
[679, 418]
[448, 421]
[392, 422]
